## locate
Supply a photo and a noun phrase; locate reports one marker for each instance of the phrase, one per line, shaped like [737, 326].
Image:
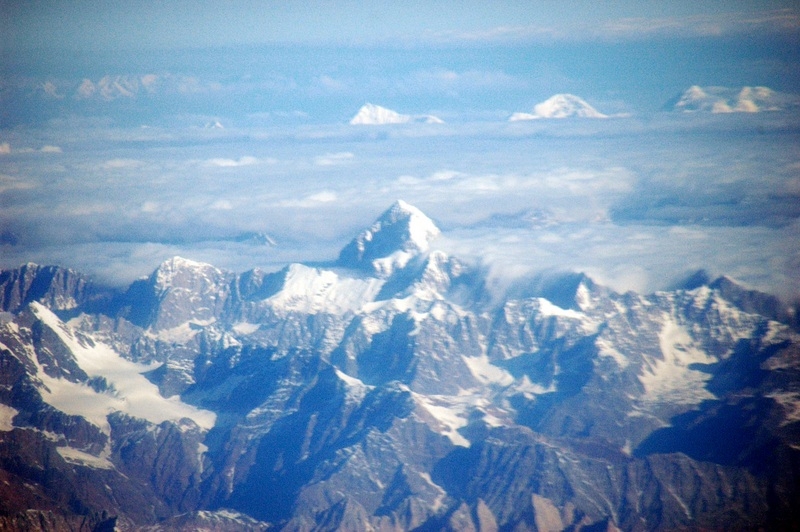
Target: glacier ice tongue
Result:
[133, 393]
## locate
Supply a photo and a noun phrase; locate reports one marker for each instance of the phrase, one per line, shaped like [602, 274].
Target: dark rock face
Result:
[54, 520]
[406, 398]
[40, 479]
[57, 288]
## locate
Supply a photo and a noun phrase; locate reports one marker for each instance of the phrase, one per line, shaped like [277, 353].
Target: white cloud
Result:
[149, 81]
[454, 82]
[716, 24]
[702, 25]
[332, 84]
[150, 207]
[641, 258]
[8, 183]
[5, 149]
[634, 207]
[245, 160]
[325, 196]
[86, 89]
[221, 205]
[445, 175]
[312, 200]
[569, 194]
[117, 164]
[334, 159]
[51, 90]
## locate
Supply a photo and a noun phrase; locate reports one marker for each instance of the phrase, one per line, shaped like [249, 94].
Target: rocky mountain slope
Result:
[391, 390]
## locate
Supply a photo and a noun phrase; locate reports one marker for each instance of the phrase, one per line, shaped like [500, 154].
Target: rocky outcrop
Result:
[57, 288]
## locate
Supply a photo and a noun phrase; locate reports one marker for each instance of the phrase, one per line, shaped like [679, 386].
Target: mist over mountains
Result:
[636, 202]
[726, 100]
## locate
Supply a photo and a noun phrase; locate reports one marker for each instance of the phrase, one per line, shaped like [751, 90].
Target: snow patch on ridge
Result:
[487, 373]
[130, 392]
[546, 308]
[670, 379]
[245, 328]
[790, 402]
[78, 457]
[530, 389]
[606, 348]
[314, 291]
[356, 389]
[7, 414]
[183, 333]
[449, 417]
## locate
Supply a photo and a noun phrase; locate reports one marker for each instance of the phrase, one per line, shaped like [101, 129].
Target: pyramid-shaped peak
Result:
[398, 234]
[401, 209]
[420, 229]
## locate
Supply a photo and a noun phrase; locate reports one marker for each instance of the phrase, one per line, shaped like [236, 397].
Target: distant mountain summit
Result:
[396, 236]
[730, 100]
[560, 106]
[371, 114]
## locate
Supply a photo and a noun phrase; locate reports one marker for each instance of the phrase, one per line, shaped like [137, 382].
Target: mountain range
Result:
[128, 87]
[726, 100]
[393, 388]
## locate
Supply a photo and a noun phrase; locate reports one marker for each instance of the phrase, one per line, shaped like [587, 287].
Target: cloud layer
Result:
[636, 204]
[90, 25]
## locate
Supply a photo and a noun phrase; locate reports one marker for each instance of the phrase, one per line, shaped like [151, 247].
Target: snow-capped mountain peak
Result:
[400, 233]
[371, 114]
[375, 114]
[731, 100]
[178, 291]
[560, 106]
[178, 267]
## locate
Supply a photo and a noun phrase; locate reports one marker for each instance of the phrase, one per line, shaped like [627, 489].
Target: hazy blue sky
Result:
[322, 60]
[132, 25]
[109, 163]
